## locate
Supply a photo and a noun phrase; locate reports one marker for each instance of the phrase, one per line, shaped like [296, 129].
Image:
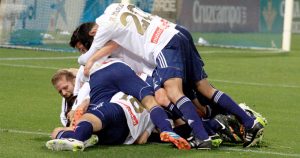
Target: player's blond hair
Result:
[70, 75]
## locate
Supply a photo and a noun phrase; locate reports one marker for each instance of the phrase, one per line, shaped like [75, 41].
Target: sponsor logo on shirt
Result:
[135, 121]
[95, 107]
[159, 30]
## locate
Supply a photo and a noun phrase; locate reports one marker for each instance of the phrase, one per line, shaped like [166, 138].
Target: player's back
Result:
[136, 30]
[138, 64]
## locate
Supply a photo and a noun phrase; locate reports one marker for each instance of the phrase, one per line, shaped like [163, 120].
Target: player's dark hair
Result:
[81, 34]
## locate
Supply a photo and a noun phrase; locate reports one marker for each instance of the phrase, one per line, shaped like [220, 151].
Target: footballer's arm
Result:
[105, 51]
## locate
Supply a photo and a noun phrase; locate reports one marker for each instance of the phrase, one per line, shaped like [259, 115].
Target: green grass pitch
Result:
[268, 82]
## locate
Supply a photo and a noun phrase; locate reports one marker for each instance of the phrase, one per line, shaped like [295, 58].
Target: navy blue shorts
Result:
[169, 61]
[115, 129]
[180, 59]
[114, 78]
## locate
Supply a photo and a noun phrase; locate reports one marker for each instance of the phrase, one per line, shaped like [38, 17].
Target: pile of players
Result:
[142, 79]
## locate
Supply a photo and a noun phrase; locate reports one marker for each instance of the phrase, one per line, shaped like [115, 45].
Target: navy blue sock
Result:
[176, 113]
[208, 128]
[215, 125]
[230, 106]
[188, 110]
[160, 119]
[65, 134]
[83, 131]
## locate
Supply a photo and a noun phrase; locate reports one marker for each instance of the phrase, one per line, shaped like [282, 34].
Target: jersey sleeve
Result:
[63, 118]
[78, 80]
[103, 35]
[83, 94]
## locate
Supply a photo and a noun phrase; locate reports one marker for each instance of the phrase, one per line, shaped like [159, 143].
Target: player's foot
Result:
[226, 131]
[253, 135]
[91, 141]
[65, 144]
[174, 138]
[216, 140]
[236, 128]
[254, 114]
[200, 144]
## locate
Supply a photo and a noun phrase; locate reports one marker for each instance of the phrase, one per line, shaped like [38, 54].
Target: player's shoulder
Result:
[114, 7]
[110, 14]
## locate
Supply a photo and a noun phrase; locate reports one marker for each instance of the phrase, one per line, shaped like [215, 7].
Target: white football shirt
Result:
[133, 29]
[138, 119]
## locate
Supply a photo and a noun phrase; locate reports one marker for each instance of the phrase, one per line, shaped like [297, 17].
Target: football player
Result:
[63, 81]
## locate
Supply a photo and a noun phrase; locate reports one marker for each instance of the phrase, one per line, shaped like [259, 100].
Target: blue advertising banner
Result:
[94, 8]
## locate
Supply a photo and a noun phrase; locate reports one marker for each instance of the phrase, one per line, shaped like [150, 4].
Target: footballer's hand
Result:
[87, 68]
[70, 115]
[84, 105]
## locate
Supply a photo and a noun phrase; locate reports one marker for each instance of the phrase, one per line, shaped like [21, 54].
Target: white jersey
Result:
[64, 108]
[133, 29]
[83, 94]
[134, 61]
[81, 88]
[80, 79]
[138, 119]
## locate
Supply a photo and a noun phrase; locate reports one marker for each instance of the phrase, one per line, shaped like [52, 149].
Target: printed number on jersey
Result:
[137, 106]
[141, 19]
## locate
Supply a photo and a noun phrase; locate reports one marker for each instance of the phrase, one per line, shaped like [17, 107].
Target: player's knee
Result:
[94, 120]
[205, 88]
[149, 102]
[174, 94]
[162, 98]
[173, 88]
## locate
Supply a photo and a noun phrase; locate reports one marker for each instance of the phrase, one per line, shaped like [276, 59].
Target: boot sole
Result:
[180, 143]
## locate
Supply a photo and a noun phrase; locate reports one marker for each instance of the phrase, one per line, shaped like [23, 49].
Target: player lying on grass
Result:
[63, 81]
[131, 125]
[156, 41]
[60, 78]
[108, 78]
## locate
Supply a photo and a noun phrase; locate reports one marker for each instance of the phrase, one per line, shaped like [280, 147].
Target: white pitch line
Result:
[238, 52]
[222, 148]
[40, 58]
[30, 66]
[261, 152]
[214, 80]
[23, 132]
[256, 84]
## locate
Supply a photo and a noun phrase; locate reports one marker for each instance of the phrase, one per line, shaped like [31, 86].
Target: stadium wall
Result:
[49, 23]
